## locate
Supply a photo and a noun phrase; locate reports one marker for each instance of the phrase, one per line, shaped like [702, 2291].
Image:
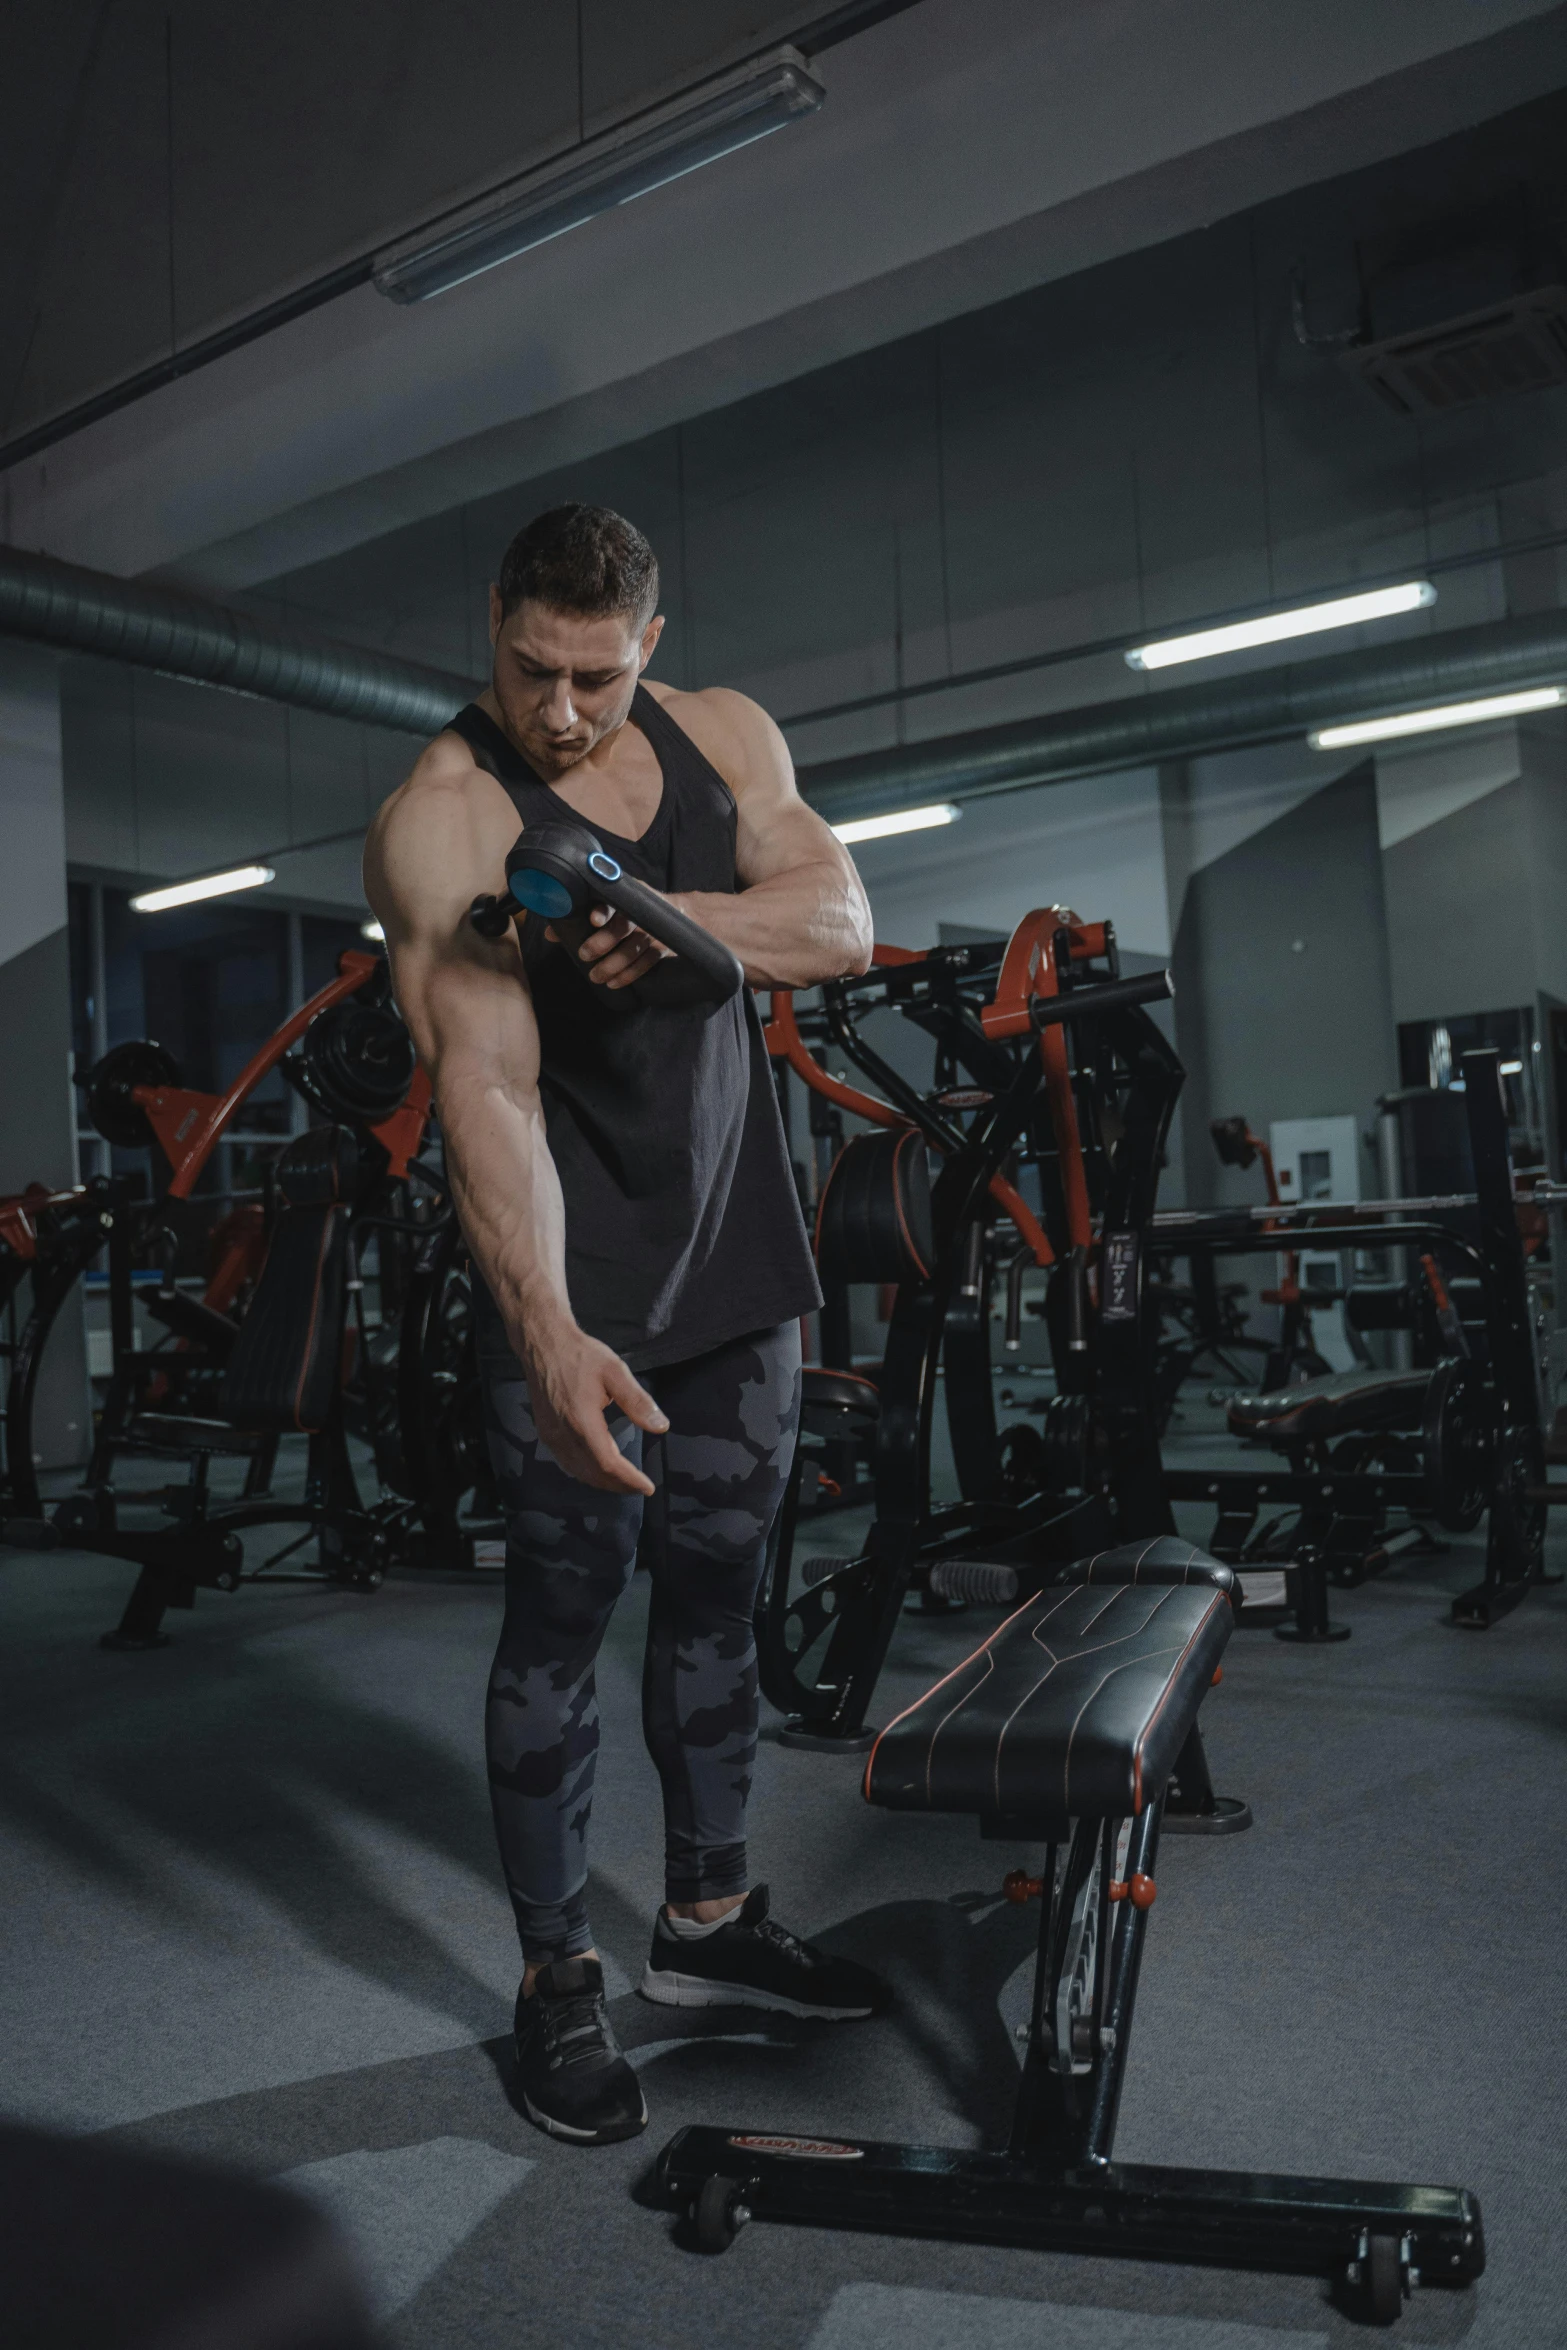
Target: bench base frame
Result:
[1236, 2219]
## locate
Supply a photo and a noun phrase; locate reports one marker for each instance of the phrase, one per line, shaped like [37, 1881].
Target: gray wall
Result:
[1284, 999]
[164, 780]
[37, 1127]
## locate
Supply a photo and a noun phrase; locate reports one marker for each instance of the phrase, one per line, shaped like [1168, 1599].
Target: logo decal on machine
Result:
[803, 2149]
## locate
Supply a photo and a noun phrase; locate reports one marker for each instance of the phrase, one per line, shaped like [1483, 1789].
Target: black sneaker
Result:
[575, 2082]
[750, 1962]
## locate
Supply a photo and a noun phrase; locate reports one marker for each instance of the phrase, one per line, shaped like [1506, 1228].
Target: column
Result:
[37, 1125]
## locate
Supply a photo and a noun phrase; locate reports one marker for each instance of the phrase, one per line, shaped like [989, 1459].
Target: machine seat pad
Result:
[286, 1362]
[1161, 1560]
[1075, 1708]
[168, 1432]
[1347, 1403]
[838, 1391]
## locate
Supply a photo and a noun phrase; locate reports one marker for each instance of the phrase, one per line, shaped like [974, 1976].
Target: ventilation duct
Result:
[1140, 730]
[185, 636]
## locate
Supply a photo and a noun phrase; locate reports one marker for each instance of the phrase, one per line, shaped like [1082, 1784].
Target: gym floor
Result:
[251, 1912]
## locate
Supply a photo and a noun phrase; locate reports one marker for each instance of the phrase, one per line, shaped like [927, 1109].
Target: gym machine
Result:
[1209, 1330]
[1006, 1096]
[269, 1348]
[1444, 1444]
[1046, 1058]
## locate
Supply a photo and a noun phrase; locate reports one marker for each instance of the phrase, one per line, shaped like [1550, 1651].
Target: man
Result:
[619, 1169]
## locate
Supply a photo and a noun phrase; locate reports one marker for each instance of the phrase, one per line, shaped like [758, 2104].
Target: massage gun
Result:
[560, 872]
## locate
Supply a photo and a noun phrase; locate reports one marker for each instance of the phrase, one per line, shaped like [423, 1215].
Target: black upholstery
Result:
[176, 1434]
[1162, 1560]
[873, 1222]
[285, 1368]
[200, 1325]
[1076, 1708]
[836, 1392]
[1350, 1402]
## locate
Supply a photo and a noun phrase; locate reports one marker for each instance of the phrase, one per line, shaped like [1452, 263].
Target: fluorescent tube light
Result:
[372, 930]
[210, 885]
[906, 820]
[1272, 628]
[662, 145]
[1381, 730]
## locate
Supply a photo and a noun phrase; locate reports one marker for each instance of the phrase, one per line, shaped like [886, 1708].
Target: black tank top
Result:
[683, 1225]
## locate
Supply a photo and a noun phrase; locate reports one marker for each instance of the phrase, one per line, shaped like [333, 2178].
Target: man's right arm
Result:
[435, 845]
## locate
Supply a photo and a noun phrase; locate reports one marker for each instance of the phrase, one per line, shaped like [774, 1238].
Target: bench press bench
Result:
[1063, 1729]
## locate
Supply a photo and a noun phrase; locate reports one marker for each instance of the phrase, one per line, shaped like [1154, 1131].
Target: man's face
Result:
[564, 682]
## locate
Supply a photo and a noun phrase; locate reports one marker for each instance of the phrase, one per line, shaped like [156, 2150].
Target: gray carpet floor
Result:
[250, 1910]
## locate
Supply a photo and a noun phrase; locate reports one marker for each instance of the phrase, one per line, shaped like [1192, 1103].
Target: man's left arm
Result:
[800, 914]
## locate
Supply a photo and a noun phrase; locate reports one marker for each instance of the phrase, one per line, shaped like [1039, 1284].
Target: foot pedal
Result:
[975, 1580]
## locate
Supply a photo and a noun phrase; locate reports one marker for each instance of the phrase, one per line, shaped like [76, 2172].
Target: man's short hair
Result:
[583, 559]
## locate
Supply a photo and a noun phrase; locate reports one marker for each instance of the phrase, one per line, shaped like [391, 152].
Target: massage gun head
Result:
[554, 870]
[559, 869]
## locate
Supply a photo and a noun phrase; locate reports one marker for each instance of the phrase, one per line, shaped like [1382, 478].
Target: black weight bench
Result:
[1063, 1729]
[1319, 1411]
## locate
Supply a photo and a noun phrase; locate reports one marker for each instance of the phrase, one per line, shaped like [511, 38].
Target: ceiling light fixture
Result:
[906, 820]
[209, 885]
[1272, 628]
[662, 145]
[1382, 730]
[372, 930]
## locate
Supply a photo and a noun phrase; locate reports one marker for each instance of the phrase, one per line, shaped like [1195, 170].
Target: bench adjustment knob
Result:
[1141, 1891]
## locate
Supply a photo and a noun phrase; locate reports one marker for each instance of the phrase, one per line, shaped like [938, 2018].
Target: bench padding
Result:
[1075, 1709]
[1162, 1558]
[1348, 1403]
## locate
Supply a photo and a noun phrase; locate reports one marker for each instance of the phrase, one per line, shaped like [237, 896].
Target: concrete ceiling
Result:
[968, 149]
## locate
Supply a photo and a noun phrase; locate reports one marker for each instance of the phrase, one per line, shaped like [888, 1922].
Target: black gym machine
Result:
[280, 1342]
[1443, 1444]
[1047, 1059]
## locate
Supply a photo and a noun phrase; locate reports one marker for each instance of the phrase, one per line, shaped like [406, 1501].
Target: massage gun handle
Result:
[719, 971]
[1109, 995]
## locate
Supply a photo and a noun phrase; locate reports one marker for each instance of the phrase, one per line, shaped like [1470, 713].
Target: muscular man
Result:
[619, 1170]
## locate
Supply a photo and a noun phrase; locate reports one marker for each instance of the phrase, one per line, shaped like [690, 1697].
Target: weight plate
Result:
[1021, 1463]
[1456, 1445]
[110, 1086]
[357, 1062]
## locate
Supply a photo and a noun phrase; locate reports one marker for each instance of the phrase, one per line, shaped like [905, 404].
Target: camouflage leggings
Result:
[570, 1553]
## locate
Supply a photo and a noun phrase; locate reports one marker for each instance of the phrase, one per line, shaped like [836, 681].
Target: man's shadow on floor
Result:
[941, 2064]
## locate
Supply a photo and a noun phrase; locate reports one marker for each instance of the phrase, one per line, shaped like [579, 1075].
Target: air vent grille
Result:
[1514, 346]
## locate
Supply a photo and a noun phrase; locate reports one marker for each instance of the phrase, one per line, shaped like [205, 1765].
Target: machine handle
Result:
[560, 871]
[1108, 995]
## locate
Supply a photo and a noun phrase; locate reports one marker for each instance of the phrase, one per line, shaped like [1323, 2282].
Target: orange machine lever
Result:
[785, 1043]
[190, 1125]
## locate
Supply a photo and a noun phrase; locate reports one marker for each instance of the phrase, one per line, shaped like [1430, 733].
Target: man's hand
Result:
[617, 953]
[572, 1381]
